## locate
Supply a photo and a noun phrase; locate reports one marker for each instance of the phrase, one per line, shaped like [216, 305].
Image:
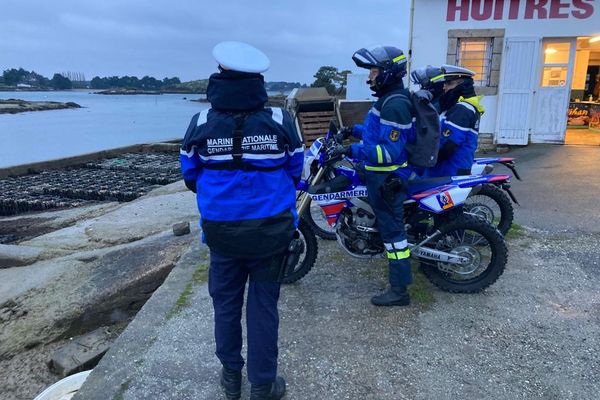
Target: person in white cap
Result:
[244, 160]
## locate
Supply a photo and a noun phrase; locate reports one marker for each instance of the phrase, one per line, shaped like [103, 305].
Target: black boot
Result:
[395, 296]
[231, 381]
[271, 391]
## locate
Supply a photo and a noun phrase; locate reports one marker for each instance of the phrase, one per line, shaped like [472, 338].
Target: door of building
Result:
[552, 98]
[516, 90]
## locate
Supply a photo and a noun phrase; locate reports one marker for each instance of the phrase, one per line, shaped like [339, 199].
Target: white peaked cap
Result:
[242, 57]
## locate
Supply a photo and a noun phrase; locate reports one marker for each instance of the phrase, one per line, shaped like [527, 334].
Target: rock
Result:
[182, 228]
[16, 256]
[81, 353]
[502, 149]
[5, 314]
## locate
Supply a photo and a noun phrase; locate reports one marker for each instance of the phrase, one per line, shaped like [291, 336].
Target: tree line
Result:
[133, 82]
[327, 76]
[332, 79]
[14, 77]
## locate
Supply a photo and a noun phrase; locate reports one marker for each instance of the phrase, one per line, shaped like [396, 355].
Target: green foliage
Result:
[420, 290]
[325, 77]
[133, 82]
[13, 77]
[516, 231]
[331, 79]
[200, 275]
[60, 82]
[282, 86]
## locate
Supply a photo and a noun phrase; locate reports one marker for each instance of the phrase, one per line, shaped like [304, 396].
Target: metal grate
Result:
[476, 55]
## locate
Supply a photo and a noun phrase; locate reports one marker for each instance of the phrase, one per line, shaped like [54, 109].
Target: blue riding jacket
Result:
[388, 126]
[458, 140]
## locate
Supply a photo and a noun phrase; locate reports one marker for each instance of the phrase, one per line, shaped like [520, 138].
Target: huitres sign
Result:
[486, 10]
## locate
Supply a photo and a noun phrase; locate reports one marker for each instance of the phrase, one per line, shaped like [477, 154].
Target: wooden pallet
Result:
[314, 124]
[353, 112]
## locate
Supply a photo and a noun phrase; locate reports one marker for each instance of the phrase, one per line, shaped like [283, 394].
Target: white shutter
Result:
[520, 59]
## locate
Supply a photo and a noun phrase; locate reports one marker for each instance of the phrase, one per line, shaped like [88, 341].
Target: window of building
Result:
[556, 63]
[479, 50]
[476, 55]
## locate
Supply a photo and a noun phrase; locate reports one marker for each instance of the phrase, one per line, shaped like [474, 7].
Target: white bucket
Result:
[64, 389]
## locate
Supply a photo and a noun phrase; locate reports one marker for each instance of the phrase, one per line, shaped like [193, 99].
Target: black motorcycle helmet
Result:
[391, 60]
[429, 78]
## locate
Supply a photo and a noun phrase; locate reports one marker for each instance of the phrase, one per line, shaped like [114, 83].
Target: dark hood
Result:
[450, 98]
[236, 91]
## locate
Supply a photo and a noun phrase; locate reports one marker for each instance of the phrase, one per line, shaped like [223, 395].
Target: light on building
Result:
[550, 50]
[595, 39]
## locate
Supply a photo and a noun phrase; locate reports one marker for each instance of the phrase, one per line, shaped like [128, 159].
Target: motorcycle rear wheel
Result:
[492, 205]
[309, 256]
[475, 239]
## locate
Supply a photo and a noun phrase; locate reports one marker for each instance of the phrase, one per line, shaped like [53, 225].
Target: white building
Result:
[534, 59]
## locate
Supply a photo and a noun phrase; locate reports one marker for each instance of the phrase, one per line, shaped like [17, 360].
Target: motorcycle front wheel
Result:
[318, 222]
[482, 245]
[308, 256]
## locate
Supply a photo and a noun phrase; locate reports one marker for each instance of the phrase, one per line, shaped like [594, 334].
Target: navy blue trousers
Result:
[226, 285]
[390, 222]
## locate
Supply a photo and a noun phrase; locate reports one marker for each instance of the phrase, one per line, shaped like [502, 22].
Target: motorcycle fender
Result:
[443, 201]
[310, 157]
[477, 169]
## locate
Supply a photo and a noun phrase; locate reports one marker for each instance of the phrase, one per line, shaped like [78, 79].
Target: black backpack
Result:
[423, 151]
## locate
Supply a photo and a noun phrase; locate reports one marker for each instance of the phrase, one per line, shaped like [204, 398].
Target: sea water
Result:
[104, 122]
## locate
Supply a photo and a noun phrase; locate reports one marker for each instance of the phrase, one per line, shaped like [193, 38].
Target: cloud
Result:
[175, 38]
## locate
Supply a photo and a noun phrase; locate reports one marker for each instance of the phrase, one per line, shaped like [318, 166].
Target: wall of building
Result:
[434, 19]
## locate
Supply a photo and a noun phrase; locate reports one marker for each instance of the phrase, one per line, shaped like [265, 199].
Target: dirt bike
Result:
[457, 252]
[490, 202]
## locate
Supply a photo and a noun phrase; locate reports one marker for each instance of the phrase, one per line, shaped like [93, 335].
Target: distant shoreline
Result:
[274, 101]
[140, 91]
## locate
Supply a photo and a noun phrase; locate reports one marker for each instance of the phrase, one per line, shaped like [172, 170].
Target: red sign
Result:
[484, 10]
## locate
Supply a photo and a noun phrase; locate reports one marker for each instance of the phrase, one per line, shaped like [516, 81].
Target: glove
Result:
[346, 132]
[447, 150]
[339, 150]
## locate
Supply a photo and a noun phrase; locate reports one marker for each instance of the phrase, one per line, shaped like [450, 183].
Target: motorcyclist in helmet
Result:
[388, 126]
[431, 79]
[459, 122]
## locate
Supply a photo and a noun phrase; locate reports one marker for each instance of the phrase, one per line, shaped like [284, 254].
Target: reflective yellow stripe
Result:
[385, 169]
[398, 255]
[437, 77]
[402, 57]
[379, 155]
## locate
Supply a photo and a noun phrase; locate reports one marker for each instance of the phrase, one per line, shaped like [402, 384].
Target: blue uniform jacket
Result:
[384, 134]
[270, 140]
[458, 140]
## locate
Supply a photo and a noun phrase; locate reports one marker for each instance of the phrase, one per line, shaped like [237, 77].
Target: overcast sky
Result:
[175, 38]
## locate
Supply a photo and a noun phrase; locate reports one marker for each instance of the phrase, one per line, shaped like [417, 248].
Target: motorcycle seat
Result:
[421, 185]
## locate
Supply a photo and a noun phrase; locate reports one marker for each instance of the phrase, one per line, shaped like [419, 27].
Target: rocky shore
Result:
[14, 106]
[89, 258]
